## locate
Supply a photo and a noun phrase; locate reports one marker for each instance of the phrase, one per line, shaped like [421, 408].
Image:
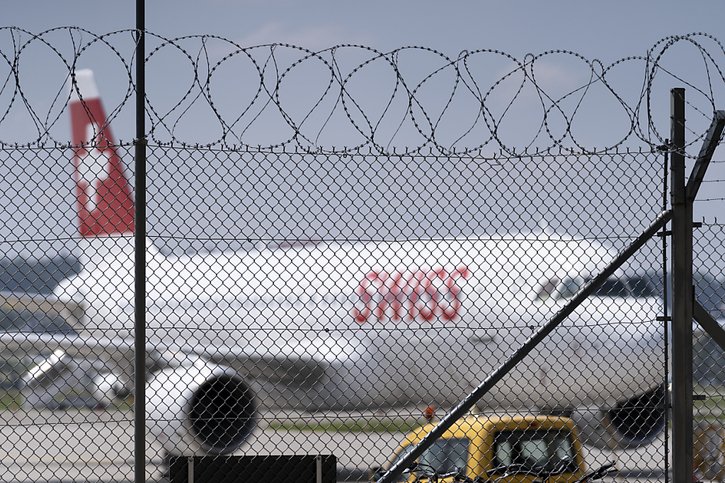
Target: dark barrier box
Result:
[238, 469]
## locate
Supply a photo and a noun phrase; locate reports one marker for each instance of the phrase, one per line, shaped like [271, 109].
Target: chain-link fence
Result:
[331, 265]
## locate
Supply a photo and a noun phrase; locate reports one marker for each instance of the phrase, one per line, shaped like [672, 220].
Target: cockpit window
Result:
[569, 287]
[634, 286]
[547, 289]
[612, 287]
[560, 289]
[641, 287]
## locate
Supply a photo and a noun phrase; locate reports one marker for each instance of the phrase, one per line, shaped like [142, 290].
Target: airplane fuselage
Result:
[389, 324]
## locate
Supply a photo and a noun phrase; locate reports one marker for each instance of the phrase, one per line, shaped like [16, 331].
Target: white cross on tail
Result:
[93, 168]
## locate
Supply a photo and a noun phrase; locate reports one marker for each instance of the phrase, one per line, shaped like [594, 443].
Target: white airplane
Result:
[343, 326]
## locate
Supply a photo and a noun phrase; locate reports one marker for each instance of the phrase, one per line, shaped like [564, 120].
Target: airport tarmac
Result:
[86, 445]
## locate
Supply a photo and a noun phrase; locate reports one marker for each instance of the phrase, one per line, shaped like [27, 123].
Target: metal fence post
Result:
[139, 404]
[682, 298]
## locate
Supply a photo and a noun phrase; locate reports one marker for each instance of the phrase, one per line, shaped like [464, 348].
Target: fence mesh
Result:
[310, 297]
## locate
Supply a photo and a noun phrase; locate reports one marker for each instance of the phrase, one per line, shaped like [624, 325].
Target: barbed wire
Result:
[277, 95]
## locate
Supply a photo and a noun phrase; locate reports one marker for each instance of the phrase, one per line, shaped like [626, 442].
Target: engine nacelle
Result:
[632, 423]
[200, 407]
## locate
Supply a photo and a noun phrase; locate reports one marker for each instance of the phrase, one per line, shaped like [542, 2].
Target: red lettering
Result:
[391, 296]
[363, 291]
[454, 291]
[424, 295]
[424, 299]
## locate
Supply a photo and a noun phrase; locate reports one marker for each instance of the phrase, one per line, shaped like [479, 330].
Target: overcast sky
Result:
[597, 30]
[600, 29]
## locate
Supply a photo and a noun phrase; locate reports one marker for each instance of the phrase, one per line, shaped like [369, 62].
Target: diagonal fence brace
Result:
[710, 325]
[709, 144]
[467, 403]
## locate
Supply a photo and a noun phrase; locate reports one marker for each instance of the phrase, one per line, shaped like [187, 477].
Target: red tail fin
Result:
[105, 206]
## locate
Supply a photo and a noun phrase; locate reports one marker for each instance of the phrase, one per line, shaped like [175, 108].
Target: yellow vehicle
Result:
[506, 449]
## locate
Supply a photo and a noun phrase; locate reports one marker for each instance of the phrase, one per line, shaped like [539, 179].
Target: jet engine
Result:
[629, 424]
[200, 407]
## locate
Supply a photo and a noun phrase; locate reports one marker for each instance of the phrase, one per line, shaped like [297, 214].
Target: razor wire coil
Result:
[434, 123]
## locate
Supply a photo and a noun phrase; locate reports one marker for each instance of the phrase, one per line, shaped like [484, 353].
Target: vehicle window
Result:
[504, 453]
[446, 455]
[536, 449]
[399, 457]
[540, 450]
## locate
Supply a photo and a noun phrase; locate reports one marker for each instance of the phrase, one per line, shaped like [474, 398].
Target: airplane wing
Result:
[290, 366]
[73, 312]
[117, 353]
